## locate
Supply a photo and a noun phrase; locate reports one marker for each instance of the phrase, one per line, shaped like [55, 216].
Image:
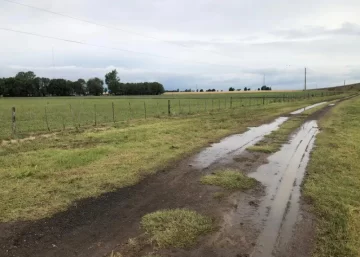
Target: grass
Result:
[46, 175]
[178, 228]
[273, 142]
[333, 182]
[41, 115]
[229, 179]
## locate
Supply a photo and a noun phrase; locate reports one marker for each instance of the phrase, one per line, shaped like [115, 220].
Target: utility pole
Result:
[344, 82]
[305, 79]
[264, 80]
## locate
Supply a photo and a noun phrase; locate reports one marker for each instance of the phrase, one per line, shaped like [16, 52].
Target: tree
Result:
[238, 89]
[245, 89]
[231, 89]
[113, 82]
[105, 90]
[258, 89]
[201, 90]
[2, 86]
[95, 86]
[60, 87]
[79, 87]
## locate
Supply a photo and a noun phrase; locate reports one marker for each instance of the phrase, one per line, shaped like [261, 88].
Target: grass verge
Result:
[273, 142]
[333, 181]
[176, 228]
[229, 179]
[46, 175]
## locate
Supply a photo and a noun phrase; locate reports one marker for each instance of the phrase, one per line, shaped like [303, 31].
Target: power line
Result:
[111, 27]
[107, 47]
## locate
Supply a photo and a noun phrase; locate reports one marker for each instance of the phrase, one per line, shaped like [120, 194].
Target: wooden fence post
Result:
[263, 100]
[230, 102]
[130, 111]
[13, 119]
[205, 105]
[95, 114]
[145, 109]
[169, 108]
[113, 111]
[46, 119]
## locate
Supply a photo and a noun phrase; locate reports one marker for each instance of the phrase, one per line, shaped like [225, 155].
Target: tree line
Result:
[143, 88]
[28, 84]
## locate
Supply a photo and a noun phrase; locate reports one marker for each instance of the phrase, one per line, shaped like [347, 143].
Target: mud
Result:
[258, 222]
[282, 177]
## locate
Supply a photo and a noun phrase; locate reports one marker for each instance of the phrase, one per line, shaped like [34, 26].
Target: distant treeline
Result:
[142, 88]
[28, 84]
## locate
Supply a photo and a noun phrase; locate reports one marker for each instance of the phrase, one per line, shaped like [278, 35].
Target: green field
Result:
[43, 115]
[333, 182]
[62, 168]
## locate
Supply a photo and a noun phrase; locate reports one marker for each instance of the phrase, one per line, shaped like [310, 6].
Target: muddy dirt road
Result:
[259, 222]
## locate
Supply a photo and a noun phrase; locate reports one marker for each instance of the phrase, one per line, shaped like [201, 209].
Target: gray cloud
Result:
[228, 43]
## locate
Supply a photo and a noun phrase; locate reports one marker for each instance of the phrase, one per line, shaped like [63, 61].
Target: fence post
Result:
[212, 104]
[205, 105]
[230, 102]
[145, 109]
[219, 104]
[169, 108]
[130, 111]
[95, 114]
[189, 107]
[263, 100]
[225, 103]
[113, 111]
[13, 119]
[179, 106]
[46, 119]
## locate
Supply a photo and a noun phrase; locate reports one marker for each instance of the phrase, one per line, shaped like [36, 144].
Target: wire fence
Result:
[24, 119]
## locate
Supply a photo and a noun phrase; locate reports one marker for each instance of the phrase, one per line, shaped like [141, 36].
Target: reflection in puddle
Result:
[282, 177]
[306, 108]
[235, 144]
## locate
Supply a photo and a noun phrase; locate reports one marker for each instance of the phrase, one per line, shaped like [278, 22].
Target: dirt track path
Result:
[94, 227]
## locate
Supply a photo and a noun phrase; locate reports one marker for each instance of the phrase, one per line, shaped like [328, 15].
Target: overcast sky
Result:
[187, 43]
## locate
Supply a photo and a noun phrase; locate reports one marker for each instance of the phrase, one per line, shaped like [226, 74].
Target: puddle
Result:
[306, 108]
[282, 177]
[234, 145]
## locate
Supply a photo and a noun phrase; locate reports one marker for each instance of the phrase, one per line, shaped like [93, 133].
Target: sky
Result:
[185, 44]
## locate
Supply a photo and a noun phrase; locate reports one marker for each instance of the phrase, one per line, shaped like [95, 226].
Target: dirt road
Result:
[260, 222]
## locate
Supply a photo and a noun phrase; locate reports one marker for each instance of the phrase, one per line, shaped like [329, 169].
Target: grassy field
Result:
[43, 115]
[68, 166]
[333, 182]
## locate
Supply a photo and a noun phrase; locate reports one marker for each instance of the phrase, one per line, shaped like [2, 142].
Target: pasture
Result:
[50, 114]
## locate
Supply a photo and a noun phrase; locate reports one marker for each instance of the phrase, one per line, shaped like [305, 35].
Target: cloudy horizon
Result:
[187, 44]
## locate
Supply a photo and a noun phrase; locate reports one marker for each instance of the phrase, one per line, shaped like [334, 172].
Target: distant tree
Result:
[60, 87]
[2, 86]
[79, 87]
[238, 89]
[249, 89]
[258, 89]
[270, 88]
[197, 90]
[213, 90]
[112, 80]
[95, 86]
[105, 90]
[231, 89]
[201, 90]
[245, 89]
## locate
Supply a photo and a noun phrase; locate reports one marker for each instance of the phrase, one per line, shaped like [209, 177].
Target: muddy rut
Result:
[265, 221]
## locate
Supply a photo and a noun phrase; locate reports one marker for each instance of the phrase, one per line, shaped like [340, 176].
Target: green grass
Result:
[39, 115]
[46, 175]
[333, 182]
[273, 142]
[179, 228]
[229, 179]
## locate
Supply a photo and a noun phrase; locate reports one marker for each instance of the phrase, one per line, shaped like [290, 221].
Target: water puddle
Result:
[306, 108]
[282, 177]
[235, 144]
